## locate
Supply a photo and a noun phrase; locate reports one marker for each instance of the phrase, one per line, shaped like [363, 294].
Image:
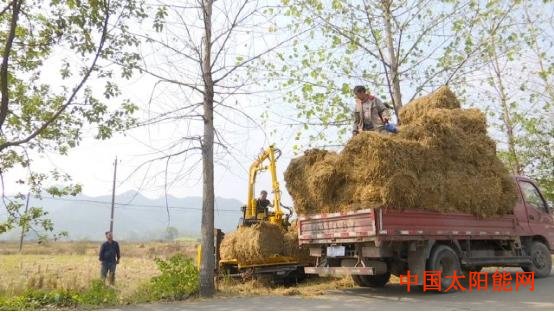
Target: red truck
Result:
[372, 244]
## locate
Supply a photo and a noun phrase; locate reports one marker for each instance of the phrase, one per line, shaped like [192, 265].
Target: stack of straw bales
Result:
[260, 241]
[441, 160]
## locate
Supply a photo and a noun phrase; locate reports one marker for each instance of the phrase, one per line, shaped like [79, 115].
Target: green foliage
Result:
[518, 95]
[53, 49]
[536, 151]
[97, 294]
[159, 18]
[37, 299]
[179, 279]
[33, 299]
[348, 45]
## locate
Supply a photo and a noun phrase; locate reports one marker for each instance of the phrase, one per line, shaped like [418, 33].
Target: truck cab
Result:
[534, 212]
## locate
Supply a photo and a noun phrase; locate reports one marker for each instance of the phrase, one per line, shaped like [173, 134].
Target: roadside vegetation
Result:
[65, 275]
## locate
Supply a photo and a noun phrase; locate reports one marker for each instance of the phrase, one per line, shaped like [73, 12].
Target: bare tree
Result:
[200, 55]
[206, 271]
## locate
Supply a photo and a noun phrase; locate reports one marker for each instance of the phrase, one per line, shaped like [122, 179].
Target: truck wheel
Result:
[295, 277]
[445, 259]
[375, 281]
[542, 261]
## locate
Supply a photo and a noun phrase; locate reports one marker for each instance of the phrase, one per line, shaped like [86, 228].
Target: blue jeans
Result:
[108, 269]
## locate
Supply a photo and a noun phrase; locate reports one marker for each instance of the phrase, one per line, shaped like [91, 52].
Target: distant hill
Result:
[136, 217]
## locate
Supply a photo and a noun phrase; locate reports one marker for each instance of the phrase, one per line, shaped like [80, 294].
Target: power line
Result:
[181, 210]
[124, 206]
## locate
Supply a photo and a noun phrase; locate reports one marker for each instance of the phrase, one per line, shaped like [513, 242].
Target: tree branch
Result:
[255, 57]
[425, 31]
[170, 80]
[4, 10]
[73, 94]
[5, 60]
[382, 57]
[229, 32]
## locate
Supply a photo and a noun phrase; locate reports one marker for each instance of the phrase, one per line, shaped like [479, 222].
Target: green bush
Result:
[36, 299]
[32, 299]
[178, 280]
[98, 294]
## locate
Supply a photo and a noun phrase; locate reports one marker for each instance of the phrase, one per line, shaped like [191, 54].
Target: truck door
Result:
[541, 221]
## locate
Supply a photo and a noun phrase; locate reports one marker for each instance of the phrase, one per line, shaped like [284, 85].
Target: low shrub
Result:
[98, 294]
[33, 299]
[178, 280]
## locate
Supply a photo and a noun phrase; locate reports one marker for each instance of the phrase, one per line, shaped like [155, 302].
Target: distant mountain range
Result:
[136, 217]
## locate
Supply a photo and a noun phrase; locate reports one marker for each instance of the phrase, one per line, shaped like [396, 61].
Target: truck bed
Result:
[387, 224]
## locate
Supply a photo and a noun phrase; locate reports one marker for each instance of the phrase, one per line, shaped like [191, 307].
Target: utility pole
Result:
[113, 193]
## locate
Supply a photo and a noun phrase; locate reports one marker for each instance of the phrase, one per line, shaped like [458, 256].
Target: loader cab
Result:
[270, 217]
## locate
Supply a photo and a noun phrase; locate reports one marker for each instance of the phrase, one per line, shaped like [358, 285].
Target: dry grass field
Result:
[73, 265]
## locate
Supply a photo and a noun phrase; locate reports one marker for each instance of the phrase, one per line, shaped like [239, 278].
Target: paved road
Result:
[392, 297]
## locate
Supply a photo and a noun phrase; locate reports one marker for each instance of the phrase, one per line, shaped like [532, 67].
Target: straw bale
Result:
[441, 160]
[298, 173]
[227, 247]
[292, 248]
[441, 98]
[401, 191]
[260, 241]
[253, 243]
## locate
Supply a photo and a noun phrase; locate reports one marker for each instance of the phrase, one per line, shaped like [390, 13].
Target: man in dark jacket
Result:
[262, 204]
[109, 257]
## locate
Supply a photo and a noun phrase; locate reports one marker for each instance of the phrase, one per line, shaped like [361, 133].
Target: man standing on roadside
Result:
[109, 257]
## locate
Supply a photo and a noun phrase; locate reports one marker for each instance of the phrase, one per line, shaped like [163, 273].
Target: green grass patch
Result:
[97, 294]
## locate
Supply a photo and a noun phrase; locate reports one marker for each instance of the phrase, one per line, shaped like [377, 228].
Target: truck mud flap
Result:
[339, 271]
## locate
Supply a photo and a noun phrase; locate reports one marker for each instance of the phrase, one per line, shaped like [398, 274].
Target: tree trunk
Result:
[506, 116]
[207, 267]
[24, 227]
[533, 43]
[393, 61]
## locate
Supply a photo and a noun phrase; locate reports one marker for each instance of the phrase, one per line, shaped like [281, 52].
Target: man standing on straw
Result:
[369, 112]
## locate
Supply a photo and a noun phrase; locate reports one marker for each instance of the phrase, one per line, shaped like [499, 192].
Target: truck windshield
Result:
[532, 196]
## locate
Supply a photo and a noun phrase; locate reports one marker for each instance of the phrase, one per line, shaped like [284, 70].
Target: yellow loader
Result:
[277, 267]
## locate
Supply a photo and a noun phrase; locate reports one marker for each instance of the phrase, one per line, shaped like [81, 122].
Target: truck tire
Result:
[542, 261]
[444, 259]
[376, 281]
